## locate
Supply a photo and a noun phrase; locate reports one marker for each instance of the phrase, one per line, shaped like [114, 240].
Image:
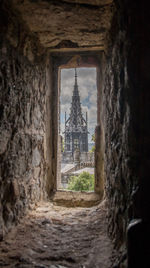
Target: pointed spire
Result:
[76, 75]
[75, 72]
[76, 92]
[76, 124]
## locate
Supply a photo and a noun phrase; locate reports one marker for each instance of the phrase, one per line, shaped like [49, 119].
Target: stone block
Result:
[36, 157]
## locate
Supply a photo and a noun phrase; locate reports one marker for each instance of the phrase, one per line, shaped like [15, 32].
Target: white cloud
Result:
[93, 98]
[85, 109]
[92, 114]
[65, 108]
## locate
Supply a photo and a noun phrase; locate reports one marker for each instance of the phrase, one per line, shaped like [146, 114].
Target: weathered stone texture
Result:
[67, 23]
[28, 135]
[22, 129]
[59, 237]
[121, 101]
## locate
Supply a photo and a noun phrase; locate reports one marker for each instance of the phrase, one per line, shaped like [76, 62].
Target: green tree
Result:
[93, 137]
[83, 182]
[93, 147]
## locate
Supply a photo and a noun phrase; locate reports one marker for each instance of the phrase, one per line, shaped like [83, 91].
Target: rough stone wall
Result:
[124, 122]
[22, 121]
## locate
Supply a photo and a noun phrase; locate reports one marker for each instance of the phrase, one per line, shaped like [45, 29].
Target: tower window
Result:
[76, 143]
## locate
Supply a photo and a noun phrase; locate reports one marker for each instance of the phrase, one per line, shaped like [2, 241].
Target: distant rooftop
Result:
[86, 169]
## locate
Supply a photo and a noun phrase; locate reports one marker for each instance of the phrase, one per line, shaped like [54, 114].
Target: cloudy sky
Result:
[87, 91]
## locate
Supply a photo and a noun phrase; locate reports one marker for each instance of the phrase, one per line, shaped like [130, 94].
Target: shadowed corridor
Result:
[37, 40]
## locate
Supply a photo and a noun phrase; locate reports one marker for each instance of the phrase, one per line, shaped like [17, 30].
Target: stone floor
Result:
[58, 237]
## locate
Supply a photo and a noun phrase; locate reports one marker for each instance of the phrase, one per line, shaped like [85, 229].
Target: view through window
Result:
[78, 118]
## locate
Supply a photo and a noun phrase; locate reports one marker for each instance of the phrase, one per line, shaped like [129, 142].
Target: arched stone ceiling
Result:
[67, 23]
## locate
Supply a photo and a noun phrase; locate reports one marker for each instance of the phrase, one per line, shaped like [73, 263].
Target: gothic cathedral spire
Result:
[76, 132]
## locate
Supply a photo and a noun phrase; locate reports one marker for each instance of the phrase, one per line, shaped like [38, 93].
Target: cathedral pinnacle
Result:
[76, 92]
[76, 132]
[75, 72]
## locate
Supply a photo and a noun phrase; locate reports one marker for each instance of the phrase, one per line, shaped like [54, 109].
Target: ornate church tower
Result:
[76, 132]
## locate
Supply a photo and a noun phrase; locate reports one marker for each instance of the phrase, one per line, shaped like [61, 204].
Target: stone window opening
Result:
[78, 119]
[67, 61]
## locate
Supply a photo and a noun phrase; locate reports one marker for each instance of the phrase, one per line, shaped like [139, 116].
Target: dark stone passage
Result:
[37, 39]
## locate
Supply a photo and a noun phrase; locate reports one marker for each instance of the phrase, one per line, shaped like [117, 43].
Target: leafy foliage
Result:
[93, 137]
[83, 182]
[92, 149]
